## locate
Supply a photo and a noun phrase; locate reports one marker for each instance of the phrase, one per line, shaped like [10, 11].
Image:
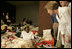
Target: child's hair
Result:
[53, 5]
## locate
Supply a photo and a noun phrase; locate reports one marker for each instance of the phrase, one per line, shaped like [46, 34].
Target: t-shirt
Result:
[54, 18]
[27, 36]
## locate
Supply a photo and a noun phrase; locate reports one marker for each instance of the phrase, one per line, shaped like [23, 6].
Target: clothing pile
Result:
[47, 41]
[6, 39]
[39, 43]
[11, 41]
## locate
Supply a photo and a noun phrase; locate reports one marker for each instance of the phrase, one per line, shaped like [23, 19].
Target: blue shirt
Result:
[54, 18]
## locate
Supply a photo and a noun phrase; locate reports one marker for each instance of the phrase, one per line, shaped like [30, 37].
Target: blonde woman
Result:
[63, 18]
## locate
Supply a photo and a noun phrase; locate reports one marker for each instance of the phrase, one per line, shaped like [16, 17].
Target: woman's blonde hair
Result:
[53, 5]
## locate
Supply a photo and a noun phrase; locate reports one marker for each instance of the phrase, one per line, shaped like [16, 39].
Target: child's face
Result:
[63, 3]
[27, 29]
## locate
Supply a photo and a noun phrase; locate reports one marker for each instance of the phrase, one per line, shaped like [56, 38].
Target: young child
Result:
[28, 36]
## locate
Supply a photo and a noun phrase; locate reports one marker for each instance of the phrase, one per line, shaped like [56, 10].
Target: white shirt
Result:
[64, 21]
[27, 36]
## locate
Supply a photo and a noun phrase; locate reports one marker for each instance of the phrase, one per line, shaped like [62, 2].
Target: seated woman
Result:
[28, 36]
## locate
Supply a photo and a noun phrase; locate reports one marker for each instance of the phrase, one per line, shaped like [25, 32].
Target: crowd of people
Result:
[23, 32]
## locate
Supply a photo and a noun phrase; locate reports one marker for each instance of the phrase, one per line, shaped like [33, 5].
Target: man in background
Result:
[55, 27]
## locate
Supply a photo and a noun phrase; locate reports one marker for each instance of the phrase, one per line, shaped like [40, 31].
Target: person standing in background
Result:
[3, 17]
[8, 19]
[67, 35]
[55, 27]
[2, 22]
[66, 4]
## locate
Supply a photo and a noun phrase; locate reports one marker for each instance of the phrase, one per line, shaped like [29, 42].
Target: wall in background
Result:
[44, 18]
[27, 11]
